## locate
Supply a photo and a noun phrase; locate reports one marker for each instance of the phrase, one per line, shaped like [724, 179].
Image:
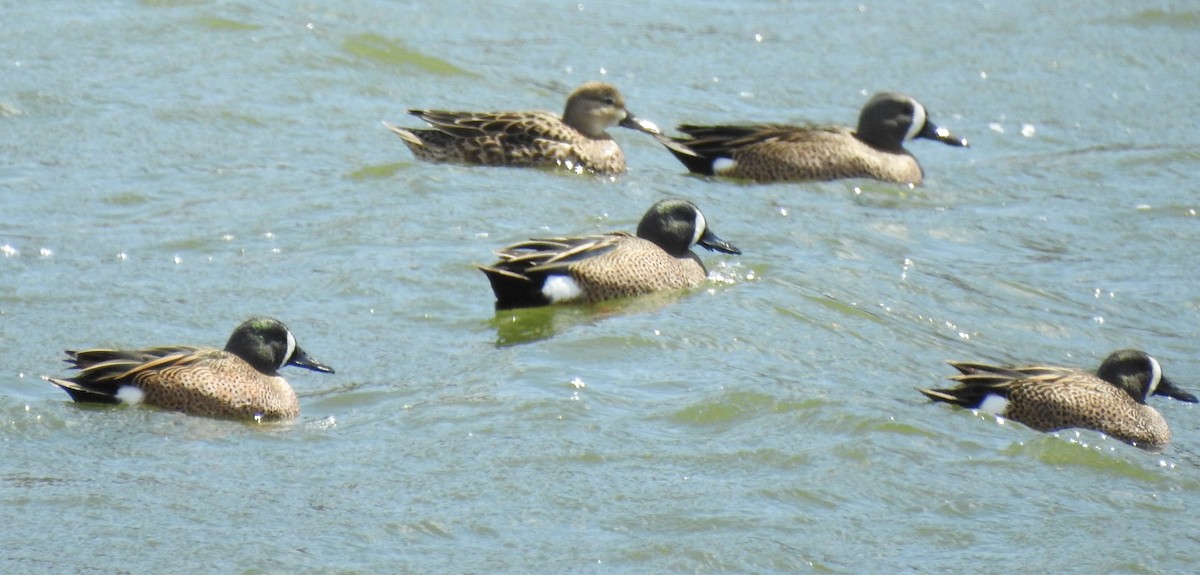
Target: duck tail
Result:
[514, 290]
[692, 160]
[81, 394]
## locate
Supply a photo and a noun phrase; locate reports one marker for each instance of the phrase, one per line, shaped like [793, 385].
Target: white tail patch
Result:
[1155, 376]
[993, 404]
[560, 288]
[918, 121]
[130, 394]
[722, 166]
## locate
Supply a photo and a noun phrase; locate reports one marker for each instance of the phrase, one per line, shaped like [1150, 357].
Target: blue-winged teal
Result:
[1050, 398]
[578, 141]
[239, 382]
[593, 268]
[775, 153]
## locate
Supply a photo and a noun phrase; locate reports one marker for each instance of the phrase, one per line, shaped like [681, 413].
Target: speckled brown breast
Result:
[1086, 402]
[634, 267]
[821, 155]
[215, 383]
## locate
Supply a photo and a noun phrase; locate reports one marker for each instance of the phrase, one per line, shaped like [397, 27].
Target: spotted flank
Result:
[238, 382]
[1050, 398]
[776, 153]
[588, 269]
[578, 141]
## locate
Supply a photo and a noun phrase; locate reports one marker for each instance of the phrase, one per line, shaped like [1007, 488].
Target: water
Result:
[174, 167]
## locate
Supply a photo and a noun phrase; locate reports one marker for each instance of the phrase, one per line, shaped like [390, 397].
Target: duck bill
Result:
[932, 132]
[712, 242]
[634, 123]
[301, 359]
[1168, 389]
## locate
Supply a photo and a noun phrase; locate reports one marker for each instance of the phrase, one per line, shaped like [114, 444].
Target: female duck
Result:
[578, 141]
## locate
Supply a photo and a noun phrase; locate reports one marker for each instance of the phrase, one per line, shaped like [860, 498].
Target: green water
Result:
[172, 168]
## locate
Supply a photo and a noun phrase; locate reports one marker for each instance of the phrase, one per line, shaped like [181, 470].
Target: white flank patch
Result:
[130, 394]
[701, 225]
[723, 165]
[560, 288]
[1155, 376]
[918, 122]
[993, 404]
[291, 348]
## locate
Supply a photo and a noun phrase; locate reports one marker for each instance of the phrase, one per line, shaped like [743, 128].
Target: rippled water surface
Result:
[173, 167]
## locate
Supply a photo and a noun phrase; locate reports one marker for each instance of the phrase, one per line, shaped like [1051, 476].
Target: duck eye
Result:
[610, 102]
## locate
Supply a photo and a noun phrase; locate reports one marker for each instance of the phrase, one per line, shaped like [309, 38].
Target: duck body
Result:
[593, 268]
[238, 382]
[1052, 398]
[778, 153]
[578, 140]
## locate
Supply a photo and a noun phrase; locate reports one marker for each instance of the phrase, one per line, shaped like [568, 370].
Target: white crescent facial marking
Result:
[993, 404]
[130, 394]
[291, 348]
[560, 288]
[701, 226]
[1155, 376]
[918, 121]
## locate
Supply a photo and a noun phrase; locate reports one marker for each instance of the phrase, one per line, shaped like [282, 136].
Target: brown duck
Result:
[239, 382]
[589, 269]
[578, 141]
[1050, 398]
[776, 153]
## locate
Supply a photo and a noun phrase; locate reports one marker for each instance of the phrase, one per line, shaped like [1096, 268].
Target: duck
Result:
[240, 381]
[784, 153]
[578, 141]
[1111, 400]
[592, 268]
